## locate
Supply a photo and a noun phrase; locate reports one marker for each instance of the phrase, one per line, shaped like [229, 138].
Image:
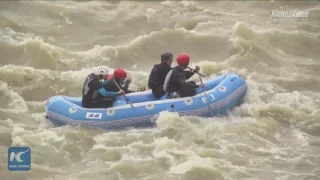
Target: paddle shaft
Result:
[205, 94]
[204, 91]
[127, 99]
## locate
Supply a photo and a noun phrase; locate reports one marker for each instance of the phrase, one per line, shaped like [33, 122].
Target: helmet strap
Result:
[101, 76]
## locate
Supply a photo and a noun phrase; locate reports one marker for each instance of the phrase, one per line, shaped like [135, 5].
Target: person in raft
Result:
[158, 74]
[94, 95]
[118, 79]
[175, 82]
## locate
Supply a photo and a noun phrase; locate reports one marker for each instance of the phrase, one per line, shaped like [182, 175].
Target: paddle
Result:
[204, 91]
[197, 72]
[127, 100]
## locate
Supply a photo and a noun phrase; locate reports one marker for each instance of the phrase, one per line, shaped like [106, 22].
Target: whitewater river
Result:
[48, 48]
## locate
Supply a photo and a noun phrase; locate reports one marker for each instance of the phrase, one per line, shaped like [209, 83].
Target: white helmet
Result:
[101, 70]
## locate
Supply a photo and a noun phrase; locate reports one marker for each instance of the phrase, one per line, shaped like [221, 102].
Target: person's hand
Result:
[121, 92]
[197, 69]
[128, 80]
[201, 85]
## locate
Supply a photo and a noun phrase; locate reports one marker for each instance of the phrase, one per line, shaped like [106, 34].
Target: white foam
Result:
[66, 18]
[184, 167]
[16, 102]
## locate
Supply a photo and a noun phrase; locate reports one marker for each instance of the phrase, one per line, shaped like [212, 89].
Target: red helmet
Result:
[183, 59]
[119, 73]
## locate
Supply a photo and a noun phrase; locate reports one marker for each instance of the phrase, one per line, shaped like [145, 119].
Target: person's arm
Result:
[183, 82]
[125, 86]
[97, 85]
[106, 93]
[188, 74]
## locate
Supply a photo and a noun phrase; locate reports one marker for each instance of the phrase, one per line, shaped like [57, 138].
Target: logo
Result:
[19, 159]
[289, 14]
[212, 98]
[91, 115]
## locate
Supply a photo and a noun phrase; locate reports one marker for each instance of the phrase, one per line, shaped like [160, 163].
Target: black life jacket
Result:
[89, 94]
[152, 81]
[173, 80]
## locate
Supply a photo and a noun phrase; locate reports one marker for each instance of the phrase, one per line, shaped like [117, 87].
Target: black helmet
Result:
[166, 56]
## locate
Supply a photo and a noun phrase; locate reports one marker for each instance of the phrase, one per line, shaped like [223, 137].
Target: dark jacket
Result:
[90, 89]
[178, 82]
[111, 86]
[157, 77]
[158, 74]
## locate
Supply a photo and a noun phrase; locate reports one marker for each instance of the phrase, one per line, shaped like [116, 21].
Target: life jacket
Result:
[89, 94]
[151, 80]
[173, 80]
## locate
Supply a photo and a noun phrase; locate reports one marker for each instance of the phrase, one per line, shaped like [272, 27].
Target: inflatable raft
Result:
[222, 93]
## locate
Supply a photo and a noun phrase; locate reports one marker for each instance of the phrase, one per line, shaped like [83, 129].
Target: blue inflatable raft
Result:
[222, 94]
